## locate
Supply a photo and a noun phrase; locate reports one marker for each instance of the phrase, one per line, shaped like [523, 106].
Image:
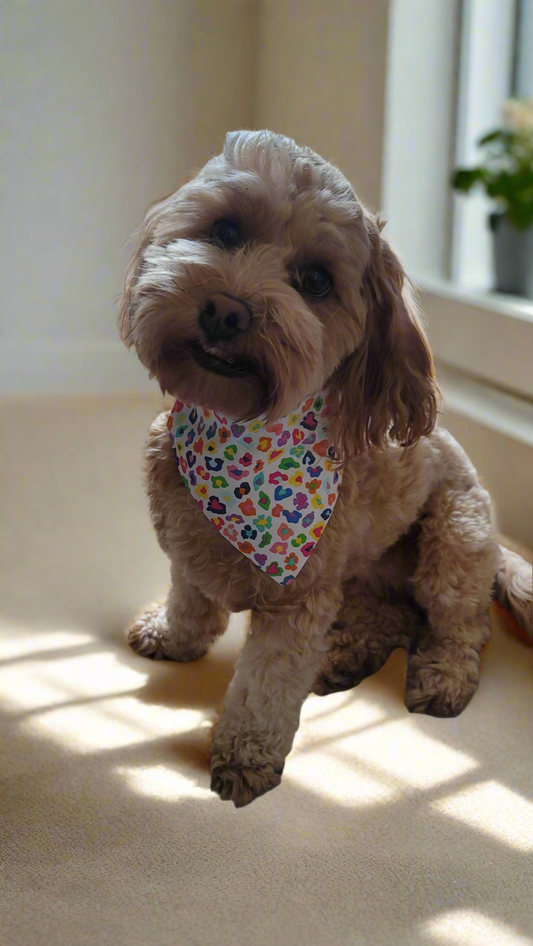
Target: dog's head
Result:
[264, 279]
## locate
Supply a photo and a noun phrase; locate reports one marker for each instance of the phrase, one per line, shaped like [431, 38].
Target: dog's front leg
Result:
[182, 628]
[261, 713]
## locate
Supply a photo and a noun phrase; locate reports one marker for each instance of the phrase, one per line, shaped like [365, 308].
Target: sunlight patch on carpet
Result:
[315, 762]
[333, 778]
[37, 684]
[471, 928]
[111, 724]
[402, 751]
[21, 645]
[493, 809]
[160, 781]
[349, 707]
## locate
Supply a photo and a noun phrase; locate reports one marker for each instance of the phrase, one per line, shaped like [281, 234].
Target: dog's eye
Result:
[316, 281]
[226, 233]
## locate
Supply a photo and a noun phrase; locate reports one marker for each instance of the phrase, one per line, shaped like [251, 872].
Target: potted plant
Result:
[506, 173]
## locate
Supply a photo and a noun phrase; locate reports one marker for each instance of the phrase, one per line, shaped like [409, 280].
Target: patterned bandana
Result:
[269, 489]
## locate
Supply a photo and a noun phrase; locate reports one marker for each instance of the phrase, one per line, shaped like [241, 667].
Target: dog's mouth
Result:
[228, 367]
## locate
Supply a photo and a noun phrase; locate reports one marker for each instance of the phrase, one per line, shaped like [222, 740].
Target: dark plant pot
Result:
[513, 257]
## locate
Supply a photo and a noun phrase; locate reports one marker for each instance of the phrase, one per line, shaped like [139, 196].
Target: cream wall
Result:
[321, 80]
[106, 106]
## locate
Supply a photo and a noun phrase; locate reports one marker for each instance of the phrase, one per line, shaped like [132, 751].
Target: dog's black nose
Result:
[223, 317]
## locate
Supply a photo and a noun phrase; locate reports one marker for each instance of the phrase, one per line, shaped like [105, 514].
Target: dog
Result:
[264, 298]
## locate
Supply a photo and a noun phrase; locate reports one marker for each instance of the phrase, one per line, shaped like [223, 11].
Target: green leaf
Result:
[464, 179]
[520, 215]
[499, 134]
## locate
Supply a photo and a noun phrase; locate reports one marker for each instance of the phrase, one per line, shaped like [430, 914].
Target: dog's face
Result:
[264, 279]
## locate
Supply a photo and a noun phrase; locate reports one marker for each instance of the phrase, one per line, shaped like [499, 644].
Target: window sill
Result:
[478, 401]
[487, 335]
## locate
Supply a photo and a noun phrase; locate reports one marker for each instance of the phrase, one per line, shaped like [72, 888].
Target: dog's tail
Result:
[513, 588]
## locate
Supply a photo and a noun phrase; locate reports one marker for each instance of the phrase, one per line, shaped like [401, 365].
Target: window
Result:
[495, 63]
[523, 72]
[452, 64]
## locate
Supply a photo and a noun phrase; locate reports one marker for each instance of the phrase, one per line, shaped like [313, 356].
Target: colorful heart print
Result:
[274, 570]
[277, 477]
[282, 492]
[275, 429]
[289, 463]
[236, 473]
[261, 484]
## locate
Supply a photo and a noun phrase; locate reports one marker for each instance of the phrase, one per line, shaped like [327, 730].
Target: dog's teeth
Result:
[212, 350]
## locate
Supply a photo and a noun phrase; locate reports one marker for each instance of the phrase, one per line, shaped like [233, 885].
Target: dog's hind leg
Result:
[368, 627]
[513, 588]
[453, 581]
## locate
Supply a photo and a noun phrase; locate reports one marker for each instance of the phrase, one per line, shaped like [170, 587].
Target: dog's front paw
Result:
[438, 690]
[240, 780]
[241, 784]
[150, 637]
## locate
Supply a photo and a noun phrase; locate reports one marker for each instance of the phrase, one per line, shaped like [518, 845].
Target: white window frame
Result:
[479, 333]
[487, 50]
[524, 65]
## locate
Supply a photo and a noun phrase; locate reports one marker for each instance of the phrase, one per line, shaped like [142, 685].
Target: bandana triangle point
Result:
[258, 512]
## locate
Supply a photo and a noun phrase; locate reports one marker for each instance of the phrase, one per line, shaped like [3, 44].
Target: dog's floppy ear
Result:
[144, 235]
[125, 312]
[387, 387]
[157, 223]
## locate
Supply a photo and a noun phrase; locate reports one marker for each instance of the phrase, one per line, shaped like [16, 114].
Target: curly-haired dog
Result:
[265, 299]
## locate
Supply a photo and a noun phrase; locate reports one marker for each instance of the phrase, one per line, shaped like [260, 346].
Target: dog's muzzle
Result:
[223, 317]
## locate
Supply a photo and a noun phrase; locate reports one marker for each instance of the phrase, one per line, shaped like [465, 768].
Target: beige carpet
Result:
[388, 829]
